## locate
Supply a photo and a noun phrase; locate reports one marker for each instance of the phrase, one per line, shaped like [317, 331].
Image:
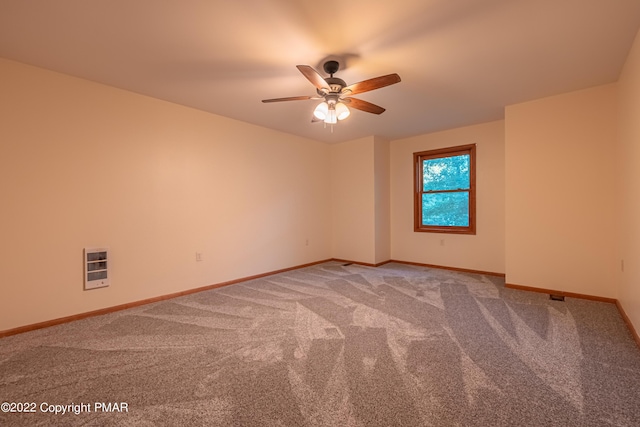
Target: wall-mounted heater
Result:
[96, 268]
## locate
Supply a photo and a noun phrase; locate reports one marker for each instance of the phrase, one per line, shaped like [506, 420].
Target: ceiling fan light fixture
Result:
[321, 111]
[331, 118]
[342, 111]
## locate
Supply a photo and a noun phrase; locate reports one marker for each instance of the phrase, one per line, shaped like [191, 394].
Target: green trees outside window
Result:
[445, 190]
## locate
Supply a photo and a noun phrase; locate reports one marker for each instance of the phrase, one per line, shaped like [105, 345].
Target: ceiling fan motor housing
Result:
[335, 85]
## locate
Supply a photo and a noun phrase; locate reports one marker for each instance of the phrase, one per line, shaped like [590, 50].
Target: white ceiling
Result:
[461, 61]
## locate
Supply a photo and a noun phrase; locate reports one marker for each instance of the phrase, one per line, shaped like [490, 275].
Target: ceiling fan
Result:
[336, 95]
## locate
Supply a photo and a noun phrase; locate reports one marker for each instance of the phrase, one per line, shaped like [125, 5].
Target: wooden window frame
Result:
[418, 158]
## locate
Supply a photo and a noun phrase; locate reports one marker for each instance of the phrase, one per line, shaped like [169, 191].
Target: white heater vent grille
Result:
[96, 268]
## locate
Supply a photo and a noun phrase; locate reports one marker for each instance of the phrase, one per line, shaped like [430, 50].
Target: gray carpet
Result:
[334, 345]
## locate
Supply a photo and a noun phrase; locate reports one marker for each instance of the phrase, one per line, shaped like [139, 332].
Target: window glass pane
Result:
[450, 209]
[446, 173]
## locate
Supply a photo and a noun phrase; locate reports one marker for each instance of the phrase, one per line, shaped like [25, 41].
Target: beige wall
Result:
[360, 204]
[628, 167]
[83, 164]
[483, 251]
[353, 200]
[560, 192]
[382, 195]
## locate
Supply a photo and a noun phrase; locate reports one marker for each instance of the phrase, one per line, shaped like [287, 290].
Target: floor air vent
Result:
[556, 297]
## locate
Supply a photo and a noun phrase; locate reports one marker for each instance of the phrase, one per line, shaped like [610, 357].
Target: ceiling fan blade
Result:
[359, 104]
[291, 98]
[371, 84]
[313, 76]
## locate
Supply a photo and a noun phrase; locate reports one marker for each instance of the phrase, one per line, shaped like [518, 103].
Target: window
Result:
[445, 190]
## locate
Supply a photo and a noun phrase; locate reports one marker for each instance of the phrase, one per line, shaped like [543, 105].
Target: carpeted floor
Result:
[334, 345]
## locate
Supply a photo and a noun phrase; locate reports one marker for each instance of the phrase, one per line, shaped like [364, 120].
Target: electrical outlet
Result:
[198, 256]
[306, 243]
[441, 242]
